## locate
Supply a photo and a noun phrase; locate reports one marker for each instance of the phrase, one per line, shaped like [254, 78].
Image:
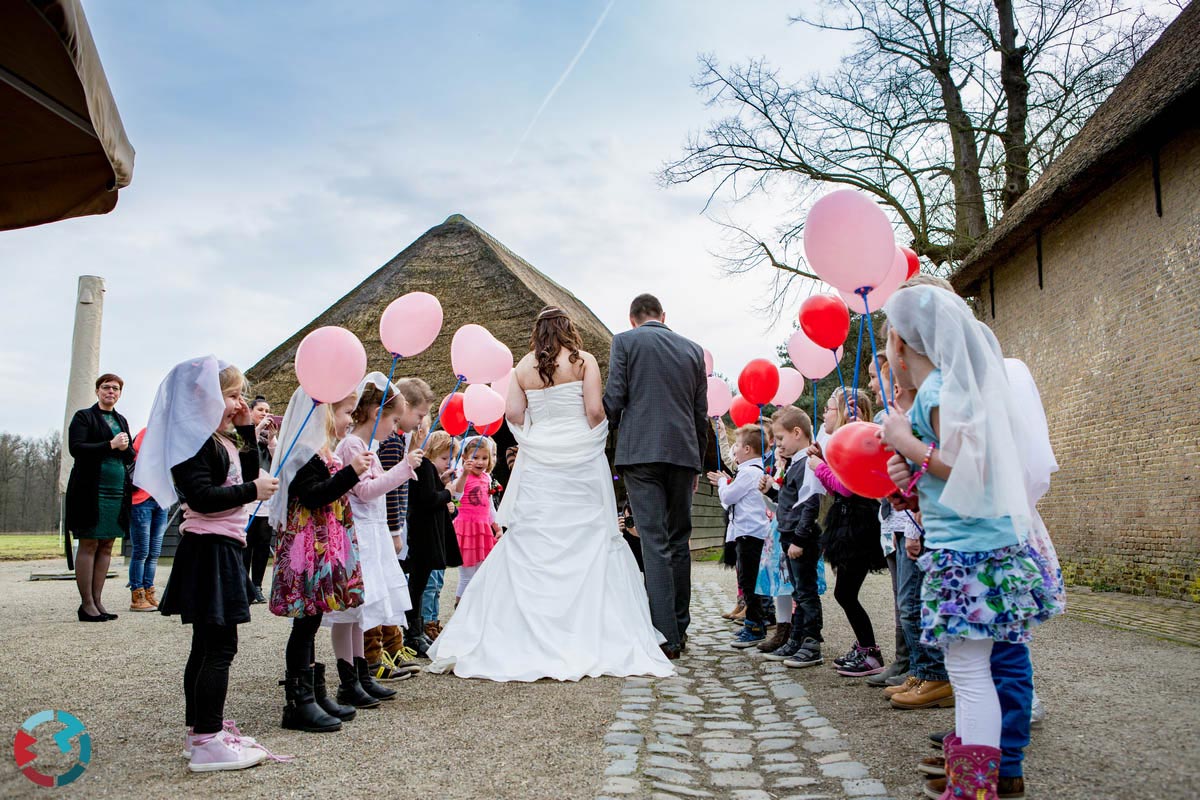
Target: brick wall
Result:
[1113, 340]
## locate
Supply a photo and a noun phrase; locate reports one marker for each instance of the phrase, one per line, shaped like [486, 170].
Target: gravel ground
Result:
[1123, 712]
[446, 737]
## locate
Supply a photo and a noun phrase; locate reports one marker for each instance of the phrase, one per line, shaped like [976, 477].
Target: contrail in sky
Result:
[562, 79]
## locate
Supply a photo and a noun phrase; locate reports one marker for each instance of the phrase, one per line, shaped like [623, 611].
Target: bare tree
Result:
[945, 112]
[29, 482]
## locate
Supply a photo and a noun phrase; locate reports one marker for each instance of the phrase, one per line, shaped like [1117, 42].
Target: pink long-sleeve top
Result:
[376, 482]
[830, 481]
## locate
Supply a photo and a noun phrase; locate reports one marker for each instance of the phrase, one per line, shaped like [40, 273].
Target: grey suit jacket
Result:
[657, 397]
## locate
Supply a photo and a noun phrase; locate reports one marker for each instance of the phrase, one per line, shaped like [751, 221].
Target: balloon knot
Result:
[863, 290]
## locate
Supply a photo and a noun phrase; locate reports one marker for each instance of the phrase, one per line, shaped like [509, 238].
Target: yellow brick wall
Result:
[1113, 340]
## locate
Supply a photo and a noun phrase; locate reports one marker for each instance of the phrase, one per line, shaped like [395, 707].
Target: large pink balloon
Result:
[500, 385]
[482, 404]
[812, 360]
[791, 386]
[476, 355]
[897, 274]
[410, 324]
[719, 397]
[708, 362]
[330, 363]
[848, 240]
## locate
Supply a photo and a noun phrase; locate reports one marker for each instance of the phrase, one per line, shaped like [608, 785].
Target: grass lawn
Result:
[26, 546]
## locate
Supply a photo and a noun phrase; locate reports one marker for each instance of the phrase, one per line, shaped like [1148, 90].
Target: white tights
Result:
[464, 577]
[783, 608]
[348, 641]
[976, 704]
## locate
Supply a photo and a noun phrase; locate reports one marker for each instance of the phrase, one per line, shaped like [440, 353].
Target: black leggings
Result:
[849, 582]
[418, 580]
[302, 643]
[258, 550]
[206, 676]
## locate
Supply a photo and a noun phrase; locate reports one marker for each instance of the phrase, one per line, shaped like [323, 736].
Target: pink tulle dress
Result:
[473, 525]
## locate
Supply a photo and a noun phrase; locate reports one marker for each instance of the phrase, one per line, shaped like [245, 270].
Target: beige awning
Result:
[63, 149]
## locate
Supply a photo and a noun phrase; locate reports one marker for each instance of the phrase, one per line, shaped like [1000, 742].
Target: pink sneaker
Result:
[229, 727]
[224, 751]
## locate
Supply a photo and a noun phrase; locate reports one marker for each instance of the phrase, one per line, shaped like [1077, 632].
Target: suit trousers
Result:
[660, 496]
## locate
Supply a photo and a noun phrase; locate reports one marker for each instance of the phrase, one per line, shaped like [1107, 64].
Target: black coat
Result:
[432, 543]
[200, 480]
[88, 438]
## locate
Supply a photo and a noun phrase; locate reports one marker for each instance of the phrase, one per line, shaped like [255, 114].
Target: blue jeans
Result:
[1012, 672]
[807, 620]
[147, 524]
[433, 591]
[924, 662]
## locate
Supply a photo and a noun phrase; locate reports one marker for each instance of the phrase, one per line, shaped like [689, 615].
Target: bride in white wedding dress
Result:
[560, 596]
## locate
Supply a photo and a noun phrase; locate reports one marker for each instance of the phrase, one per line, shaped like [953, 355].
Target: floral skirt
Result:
[994, 594]
[316, 570]
[774, 578]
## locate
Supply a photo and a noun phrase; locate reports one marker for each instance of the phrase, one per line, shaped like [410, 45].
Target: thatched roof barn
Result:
[476, 278]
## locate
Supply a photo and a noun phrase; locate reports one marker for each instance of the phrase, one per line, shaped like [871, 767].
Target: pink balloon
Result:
[476, 355]
[812, 360]
[330, 363]
[719, 397]
[708, 362]
[848, 240]
[879, 295]
[500, 385]
[791, 386]
[482, 404]
[410, 324]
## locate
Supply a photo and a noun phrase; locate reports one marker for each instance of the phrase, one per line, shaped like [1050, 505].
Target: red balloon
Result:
[826, 320]
[490, 430]
[743, 412]
[914, 263]
[856, 455]
[759, 381]
[453, 417]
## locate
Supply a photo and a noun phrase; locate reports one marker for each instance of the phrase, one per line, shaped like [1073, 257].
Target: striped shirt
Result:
[391, 453]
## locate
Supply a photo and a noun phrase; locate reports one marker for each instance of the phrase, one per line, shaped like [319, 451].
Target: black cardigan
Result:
[88, 439]
[200, 479]
[314, 488]
[432, 543]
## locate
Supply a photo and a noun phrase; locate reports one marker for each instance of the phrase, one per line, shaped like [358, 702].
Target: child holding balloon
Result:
[851, 540]
[984, 583]
[475, 526]
[199, 412]
[432, 543]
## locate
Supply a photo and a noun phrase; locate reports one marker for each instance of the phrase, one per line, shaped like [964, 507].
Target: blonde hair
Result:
[231, 378]
[415, 391]
[861, 401]
[751, 436]
[790, 417]
[482, 442]
[927, 280]
[439, 442]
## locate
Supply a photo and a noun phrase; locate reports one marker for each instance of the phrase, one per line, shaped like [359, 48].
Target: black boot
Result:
[331, 706]
[350, 691]
[363, 670]
[302, 712]
[417, 642]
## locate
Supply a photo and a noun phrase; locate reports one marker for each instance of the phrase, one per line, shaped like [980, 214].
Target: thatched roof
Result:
[476, 278]
[1160, 95]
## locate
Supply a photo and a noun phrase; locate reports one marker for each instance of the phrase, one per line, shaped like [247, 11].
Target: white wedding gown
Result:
[560, 596]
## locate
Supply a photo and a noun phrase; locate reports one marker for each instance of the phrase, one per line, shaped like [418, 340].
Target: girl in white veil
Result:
[983, 582]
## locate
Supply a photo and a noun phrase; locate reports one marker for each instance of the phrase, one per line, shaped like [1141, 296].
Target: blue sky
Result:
[286, 150]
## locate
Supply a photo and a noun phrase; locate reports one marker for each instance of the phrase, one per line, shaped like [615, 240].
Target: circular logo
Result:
[73, 740]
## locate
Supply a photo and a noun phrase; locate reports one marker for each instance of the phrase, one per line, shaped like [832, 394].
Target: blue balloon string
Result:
[814, 419]
[438, 418]
[281, 462]
[383, 402]
[885, 389]
[841, 380]
[857, 360]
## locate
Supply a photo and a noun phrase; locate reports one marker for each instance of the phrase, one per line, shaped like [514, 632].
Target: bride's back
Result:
[539, 372]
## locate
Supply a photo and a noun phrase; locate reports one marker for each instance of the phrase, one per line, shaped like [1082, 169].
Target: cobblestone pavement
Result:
[730, 725]
[1167, 619]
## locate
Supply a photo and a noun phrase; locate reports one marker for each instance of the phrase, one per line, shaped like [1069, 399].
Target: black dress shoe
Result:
[86, 617]
[670, 652]
[107, 615]
[257, 596]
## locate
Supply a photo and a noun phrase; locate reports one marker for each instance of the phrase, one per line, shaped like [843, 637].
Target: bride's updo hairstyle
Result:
[553, 332]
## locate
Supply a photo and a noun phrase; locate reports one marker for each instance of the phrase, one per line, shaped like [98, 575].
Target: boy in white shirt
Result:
[748, 525]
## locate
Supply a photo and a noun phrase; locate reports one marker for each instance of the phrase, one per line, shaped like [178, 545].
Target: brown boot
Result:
[783, 632]
[150, 598]
[739, 615]
[432, 629]
[910, 683]
[138, 601]
[927, 694]
[739, 606]
[933, 766]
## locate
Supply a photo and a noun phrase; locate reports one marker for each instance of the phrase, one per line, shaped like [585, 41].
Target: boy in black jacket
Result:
[798, 503]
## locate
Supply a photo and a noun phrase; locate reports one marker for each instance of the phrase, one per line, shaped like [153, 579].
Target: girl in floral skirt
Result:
[984, 583]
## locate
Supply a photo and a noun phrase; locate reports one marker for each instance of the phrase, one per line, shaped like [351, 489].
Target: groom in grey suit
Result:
[657, 401]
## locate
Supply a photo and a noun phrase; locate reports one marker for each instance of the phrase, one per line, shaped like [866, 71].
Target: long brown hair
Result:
[553, 332]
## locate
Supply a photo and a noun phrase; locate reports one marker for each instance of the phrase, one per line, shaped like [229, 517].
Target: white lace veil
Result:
[378, 380]
[187, 409]
[1037, 455]
[311, 440]
[978, 415]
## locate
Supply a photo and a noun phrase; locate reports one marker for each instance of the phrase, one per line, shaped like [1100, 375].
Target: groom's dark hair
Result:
[644, 307]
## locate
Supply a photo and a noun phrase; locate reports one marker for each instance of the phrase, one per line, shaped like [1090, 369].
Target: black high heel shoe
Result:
[86, 617]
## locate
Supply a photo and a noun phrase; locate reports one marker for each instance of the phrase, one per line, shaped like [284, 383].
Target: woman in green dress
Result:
[98, 492]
